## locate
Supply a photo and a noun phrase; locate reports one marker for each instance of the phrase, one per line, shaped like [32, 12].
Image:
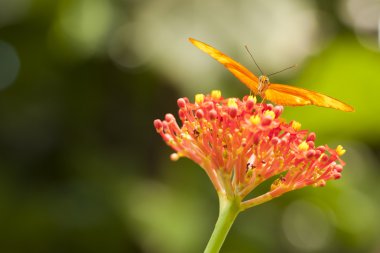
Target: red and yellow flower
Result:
[242, 143]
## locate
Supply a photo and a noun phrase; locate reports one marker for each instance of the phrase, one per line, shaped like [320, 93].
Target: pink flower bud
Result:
[311, 137]
[158, 125]
[232, 112]
[181, 103]
[199, 114]
[213, 114]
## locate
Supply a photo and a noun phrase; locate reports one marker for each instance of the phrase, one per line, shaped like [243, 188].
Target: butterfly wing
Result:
[294, 96]
[277, 93]
[238, 70]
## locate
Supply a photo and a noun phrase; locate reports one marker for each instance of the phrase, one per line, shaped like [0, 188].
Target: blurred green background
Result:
[82, 168]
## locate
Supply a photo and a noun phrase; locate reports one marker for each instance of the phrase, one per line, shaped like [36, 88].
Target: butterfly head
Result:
[263, 84]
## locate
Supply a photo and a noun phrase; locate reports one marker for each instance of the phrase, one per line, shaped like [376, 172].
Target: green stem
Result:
[256, 201]
[228, 211]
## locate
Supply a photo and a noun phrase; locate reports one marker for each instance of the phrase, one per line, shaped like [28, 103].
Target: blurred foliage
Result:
[82, 169]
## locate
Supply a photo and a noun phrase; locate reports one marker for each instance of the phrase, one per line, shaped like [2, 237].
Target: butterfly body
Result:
[263, 85]
[278, 93]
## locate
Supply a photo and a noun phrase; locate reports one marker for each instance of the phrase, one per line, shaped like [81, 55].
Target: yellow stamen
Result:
[252, 98]
[277, 183]
[199, 98]
[296, 125]
[303, 146]
[270, 114]
[249, 173]
[255, 120]
[340, 150]
[239, 150]
[186, 136]
[216, 94]
[232, 102]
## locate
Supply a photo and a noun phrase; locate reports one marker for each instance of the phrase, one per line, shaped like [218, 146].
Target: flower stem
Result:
[256, 201]
[228, 211]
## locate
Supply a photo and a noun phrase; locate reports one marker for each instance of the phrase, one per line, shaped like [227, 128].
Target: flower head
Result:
[242, 143]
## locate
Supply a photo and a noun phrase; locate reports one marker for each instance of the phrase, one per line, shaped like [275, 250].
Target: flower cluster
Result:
[242, 143]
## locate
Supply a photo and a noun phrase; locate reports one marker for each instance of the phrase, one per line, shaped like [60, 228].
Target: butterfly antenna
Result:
[293, 66]
[257, 65]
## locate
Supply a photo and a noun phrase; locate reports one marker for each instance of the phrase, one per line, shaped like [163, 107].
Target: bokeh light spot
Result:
[9, 64]
[122, 48]
[12, 10]
[306, 226]
[363, 17]
[81, 27]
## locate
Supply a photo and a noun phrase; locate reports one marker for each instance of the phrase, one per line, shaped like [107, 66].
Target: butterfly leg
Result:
[262, 100]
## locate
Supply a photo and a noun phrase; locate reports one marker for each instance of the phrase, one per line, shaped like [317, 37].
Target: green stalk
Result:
[228, 211]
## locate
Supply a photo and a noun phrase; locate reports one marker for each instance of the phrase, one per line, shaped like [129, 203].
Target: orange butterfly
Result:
[278, 93]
